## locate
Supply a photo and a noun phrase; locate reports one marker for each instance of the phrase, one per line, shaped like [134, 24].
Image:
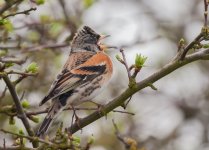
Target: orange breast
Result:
[100, 58]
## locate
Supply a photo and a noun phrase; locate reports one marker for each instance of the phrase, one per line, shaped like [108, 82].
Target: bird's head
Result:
[87, 39]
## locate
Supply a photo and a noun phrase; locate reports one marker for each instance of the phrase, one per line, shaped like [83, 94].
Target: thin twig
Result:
[8, 5]
[22, 73]
[4, 143]
[19, 108]
[206, 13]
[189, 46]
[13, 60]
[117, 133]
[36, 48]
[25, 12]
[71, 25]
[26, 137]
[3, 93]
[125, 63]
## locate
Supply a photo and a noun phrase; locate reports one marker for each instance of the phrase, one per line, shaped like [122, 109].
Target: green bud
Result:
[9, 64]
[40, 2]
[181, 42]
[25, 104]
[91, 140]
[205, 46]
[140, 60]
[3, 52]
[3, 21]
[118, 58]
[76, 139]
[34, 119]
[21, 132]
[11, 121]
[33, 68]
[88, 3]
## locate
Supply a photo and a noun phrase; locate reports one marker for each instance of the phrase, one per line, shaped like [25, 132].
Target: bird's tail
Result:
[52, 113]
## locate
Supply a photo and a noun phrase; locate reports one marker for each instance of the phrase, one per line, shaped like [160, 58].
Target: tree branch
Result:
[167, 69]
[19, 108]
[8, 5]
[25, 12]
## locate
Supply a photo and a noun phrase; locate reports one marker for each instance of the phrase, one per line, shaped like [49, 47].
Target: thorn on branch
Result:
[152, 86]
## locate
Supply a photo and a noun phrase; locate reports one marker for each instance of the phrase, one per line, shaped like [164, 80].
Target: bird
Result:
[86, 72]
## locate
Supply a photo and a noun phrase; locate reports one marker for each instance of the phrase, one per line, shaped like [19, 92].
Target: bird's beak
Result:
[102, 46]
[102, 36]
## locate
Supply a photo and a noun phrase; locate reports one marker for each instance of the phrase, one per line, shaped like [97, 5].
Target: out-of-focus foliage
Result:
[34, 46]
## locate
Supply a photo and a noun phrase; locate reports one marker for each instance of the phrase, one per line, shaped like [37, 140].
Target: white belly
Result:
[88, 91]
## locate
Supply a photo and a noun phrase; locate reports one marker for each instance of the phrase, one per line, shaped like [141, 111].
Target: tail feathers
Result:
[53, 111]
[44, 126]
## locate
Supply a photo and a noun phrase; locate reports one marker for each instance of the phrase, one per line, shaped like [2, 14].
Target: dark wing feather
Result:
[75, 59]
[69, 80]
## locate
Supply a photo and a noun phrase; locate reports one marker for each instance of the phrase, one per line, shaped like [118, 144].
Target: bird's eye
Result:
[88, 48]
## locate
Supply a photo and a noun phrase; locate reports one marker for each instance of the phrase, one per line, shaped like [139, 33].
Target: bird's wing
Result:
[70, 79]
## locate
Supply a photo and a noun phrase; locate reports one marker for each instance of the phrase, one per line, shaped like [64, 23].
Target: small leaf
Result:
[140, 60]
[33, 68]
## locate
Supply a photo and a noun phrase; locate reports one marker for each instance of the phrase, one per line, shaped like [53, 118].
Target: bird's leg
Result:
[99, 106]
[77, 119]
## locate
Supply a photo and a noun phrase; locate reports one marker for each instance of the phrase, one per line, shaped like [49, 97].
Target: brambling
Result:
[87, 70]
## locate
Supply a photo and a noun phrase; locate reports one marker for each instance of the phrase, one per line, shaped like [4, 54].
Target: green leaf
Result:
[140, 60]
[88, 3]
[33, 68]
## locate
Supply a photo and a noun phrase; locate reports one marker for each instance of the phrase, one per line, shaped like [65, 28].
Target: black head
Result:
[85, 39]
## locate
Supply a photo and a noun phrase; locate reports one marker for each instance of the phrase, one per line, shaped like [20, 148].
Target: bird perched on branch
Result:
[87, 70]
